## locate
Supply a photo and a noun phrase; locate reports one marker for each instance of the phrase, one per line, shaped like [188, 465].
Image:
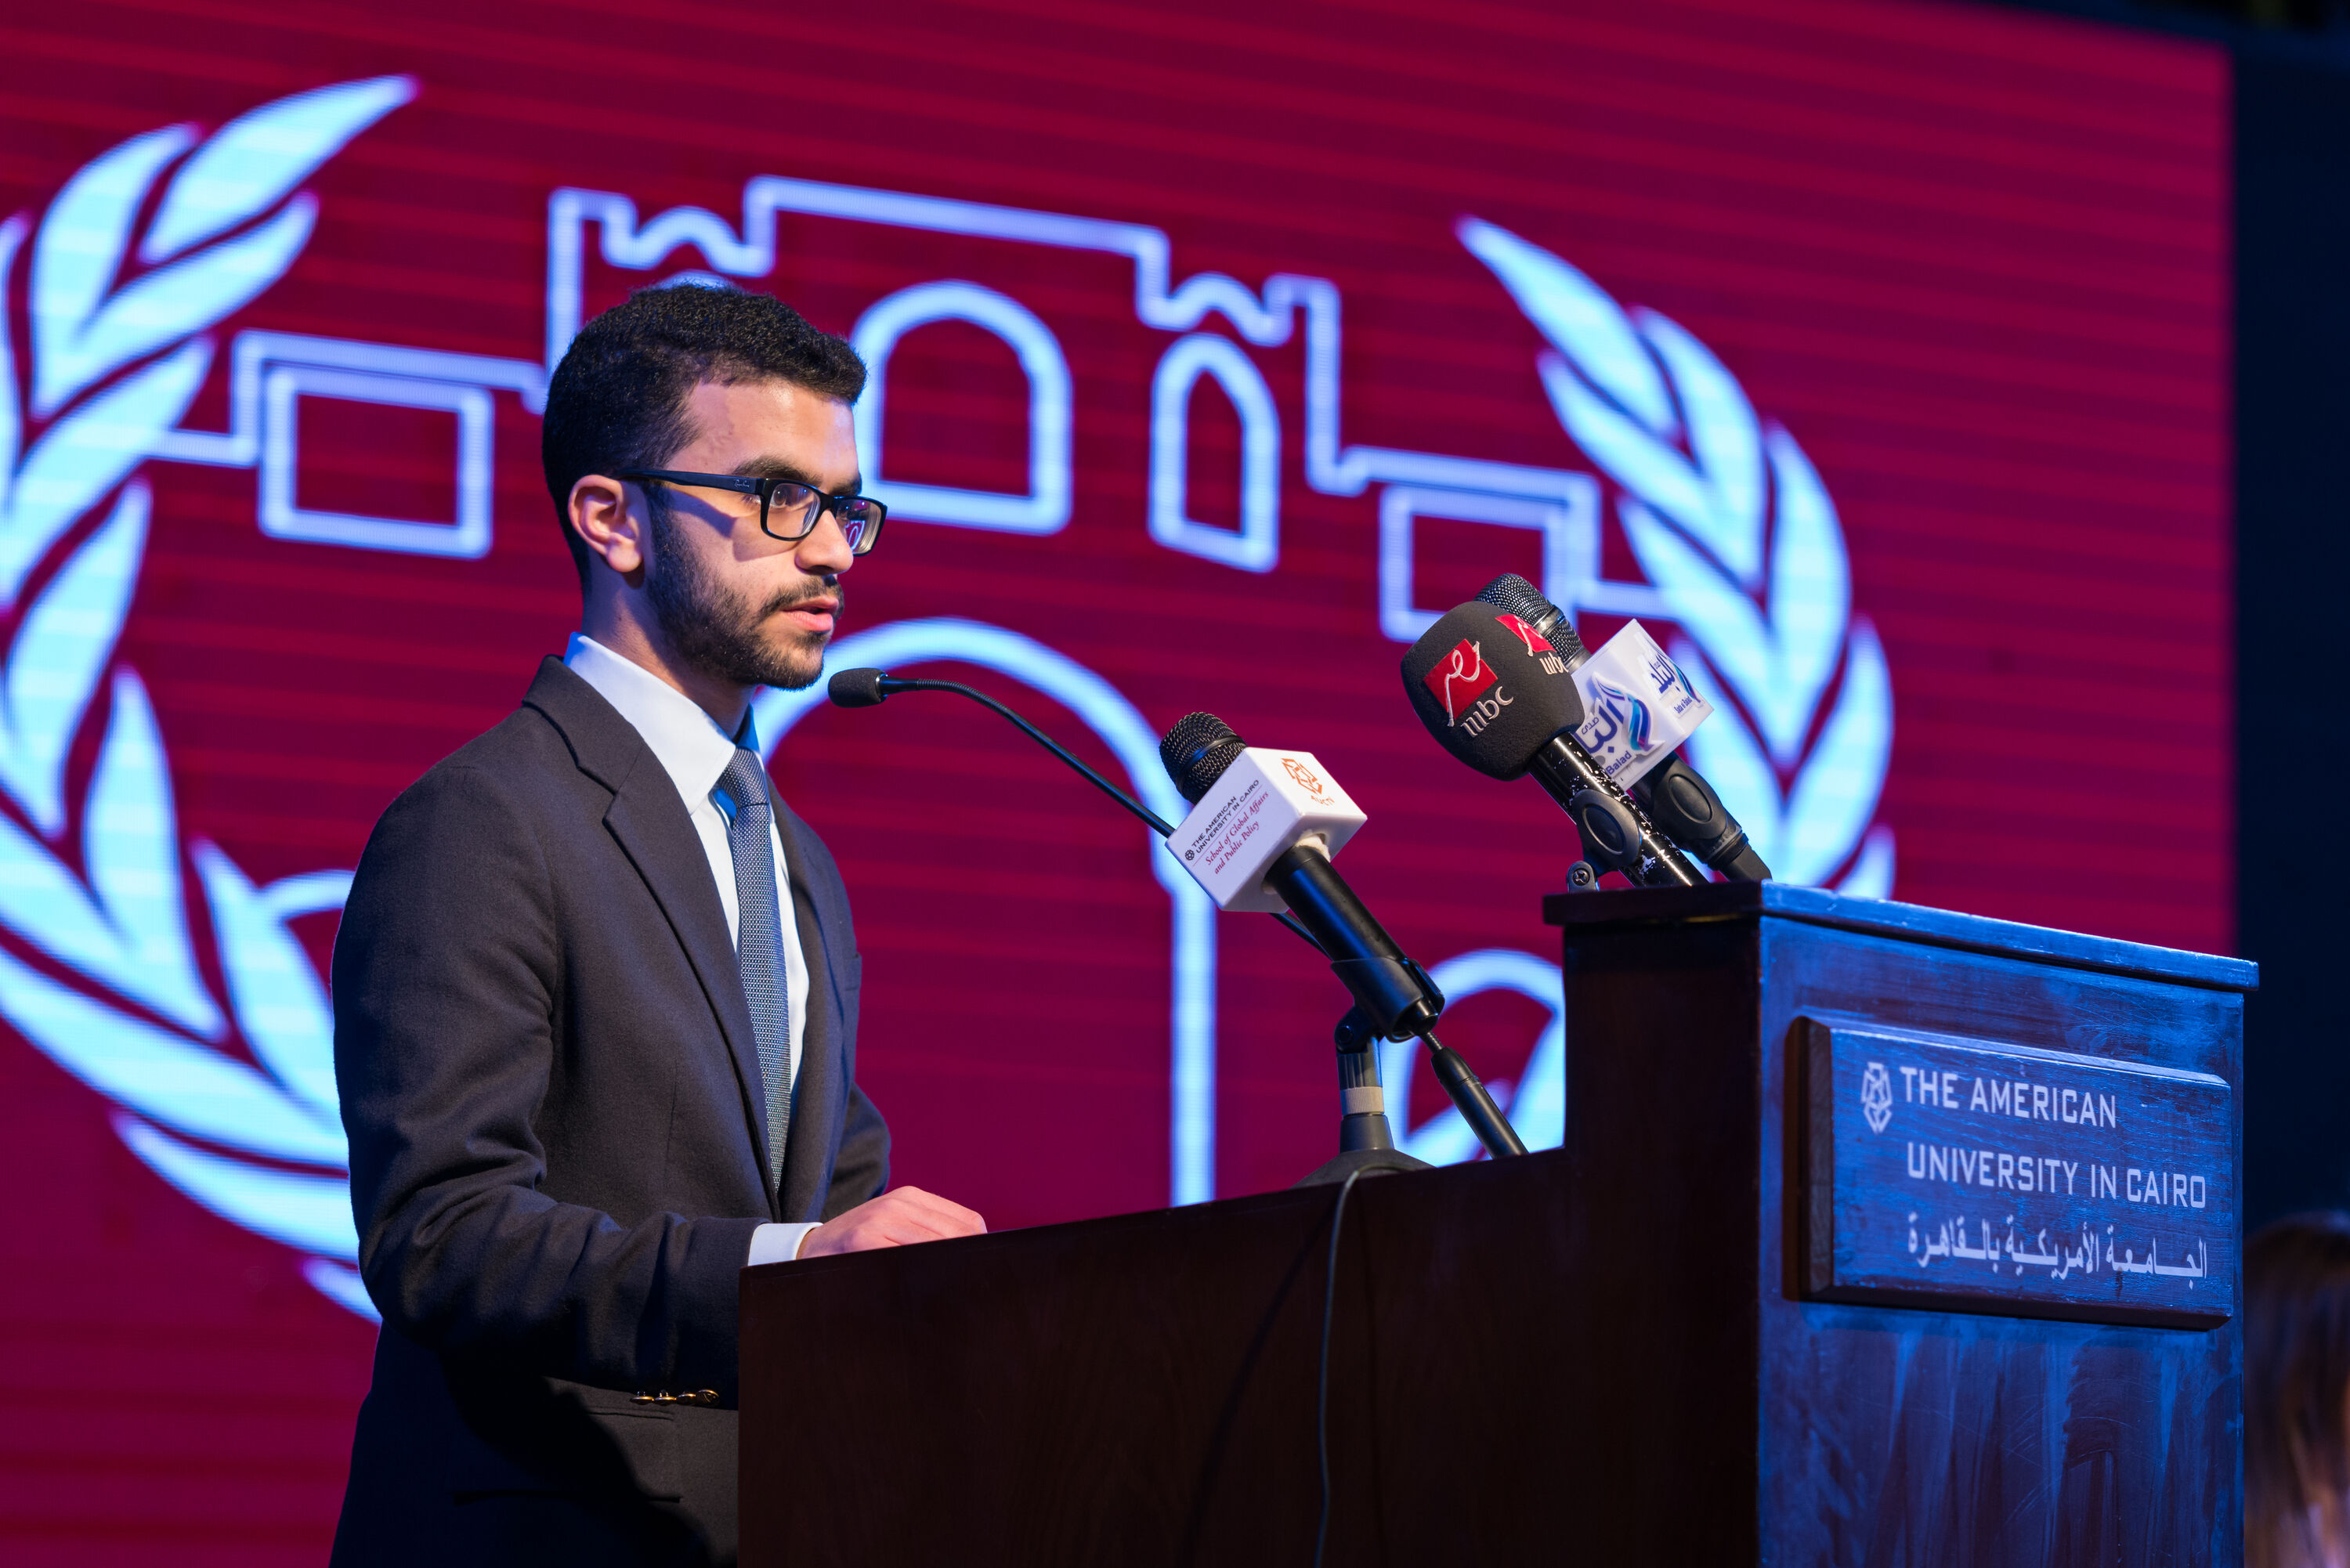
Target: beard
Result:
[717, 630]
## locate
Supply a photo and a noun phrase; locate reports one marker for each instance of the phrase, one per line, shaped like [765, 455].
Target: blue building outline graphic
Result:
[270, 372]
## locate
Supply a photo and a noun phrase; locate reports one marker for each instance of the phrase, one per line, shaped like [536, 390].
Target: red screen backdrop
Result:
[1872, 355]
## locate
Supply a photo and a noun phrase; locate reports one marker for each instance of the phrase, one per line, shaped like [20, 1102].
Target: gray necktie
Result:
[741, 796]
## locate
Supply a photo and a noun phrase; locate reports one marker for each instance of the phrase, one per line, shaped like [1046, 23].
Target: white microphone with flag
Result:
[1263, 826]
[1262, 806]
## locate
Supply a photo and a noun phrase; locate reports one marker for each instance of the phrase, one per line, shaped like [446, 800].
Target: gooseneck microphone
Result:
[1263, 827]
[1364, 1133]
[1495, 692]
[1365, 1139]
[1675, 794]
[871, 688]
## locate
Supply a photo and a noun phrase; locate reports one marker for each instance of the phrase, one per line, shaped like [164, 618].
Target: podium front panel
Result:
[1885, 1433]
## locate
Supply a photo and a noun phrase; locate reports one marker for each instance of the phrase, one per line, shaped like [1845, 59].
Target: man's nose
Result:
[825, 552]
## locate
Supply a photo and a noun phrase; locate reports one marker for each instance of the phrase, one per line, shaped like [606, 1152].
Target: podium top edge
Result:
[1910, 922]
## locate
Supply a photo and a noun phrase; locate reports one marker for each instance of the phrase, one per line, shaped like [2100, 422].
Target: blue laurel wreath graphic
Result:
[1721, 508]
[114, 365]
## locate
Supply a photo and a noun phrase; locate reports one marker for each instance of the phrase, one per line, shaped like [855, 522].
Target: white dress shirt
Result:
[692, 749]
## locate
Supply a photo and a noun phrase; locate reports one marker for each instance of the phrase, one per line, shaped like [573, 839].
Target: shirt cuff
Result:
[777, 1243]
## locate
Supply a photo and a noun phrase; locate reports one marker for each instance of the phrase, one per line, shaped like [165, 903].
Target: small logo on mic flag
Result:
[1627, 732]
[1535, 643]
[1612, 710]
[1458, 676]
[1538, 647]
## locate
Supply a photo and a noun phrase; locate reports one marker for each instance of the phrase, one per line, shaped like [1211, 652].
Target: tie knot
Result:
[743, 788]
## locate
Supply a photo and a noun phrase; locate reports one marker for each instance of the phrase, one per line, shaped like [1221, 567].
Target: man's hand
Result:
[899, 1218]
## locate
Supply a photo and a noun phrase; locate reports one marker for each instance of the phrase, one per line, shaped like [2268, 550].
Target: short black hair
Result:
[619, 400]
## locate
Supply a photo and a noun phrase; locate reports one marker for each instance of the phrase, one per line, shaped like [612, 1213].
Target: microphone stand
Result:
[1365, 1142]
[1364, 1138]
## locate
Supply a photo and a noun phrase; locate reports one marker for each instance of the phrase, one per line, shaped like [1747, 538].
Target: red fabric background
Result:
[1976, 261]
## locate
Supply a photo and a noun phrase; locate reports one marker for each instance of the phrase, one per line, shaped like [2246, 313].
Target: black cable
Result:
[1322, 1399]
[1157, 824]
[1472, 1099]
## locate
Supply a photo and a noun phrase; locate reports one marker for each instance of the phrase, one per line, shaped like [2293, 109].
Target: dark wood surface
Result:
[1604, 1354]
[1141, 1390]
[1662, 1108]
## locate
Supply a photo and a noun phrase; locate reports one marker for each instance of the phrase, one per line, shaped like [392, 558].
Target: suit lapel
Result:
[649, 822]
[819, 1094]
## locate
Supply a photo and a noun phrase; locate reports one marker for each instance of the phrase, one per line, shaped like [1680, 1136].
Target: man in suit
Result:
[596, 988]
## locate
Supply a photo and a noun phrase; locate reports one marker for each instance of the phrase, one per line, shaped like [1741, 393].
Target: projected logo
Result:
[112, 366]
[154, 246]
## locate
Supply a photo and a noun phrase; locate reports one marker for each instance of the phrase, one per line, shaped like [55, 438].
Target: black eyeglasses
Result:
[788, 510]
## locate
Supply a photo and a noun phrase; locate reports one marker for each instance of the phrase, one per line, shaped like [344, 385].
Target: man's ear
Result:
[608, 514]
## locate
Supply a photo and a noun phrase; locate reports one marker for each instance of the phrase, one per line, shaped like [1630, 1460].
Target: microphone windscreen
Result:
[857, 689]
[1512, 595]
[1196, 753]
[1489, 689]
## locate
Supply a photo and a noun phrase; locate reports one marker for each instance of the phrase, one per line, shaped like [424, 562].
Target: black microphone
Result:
[1675, 794]
[863, 688]
[1497, 694]
[1365, 1139]
[1681, 802]
[871, 688]
[1363, 1132]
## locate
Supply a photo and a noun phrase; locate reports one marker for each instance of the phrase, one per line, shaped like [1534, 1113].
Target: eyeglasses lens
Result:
[860, 522]
[791, 513]
[790, 510]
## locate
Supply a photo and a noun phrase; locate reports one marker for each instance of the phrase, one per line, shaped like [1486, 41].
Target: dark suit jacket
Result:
[557, 1142]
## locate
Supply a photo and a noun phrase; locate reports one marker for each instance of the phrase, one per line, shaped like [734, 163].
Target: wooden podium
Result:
[1880, 1235]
